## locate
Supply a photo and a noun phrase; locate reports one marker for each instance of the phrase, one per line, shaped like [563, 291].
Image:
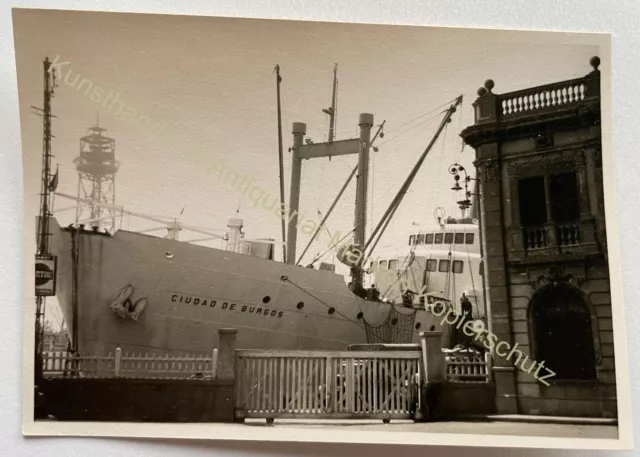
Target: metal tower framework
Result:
[97, 168]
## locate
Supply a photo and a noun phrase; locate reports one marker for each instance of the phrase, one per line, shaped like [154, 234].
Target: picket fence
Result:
[458, 368]
[327, 384]
[129, 365]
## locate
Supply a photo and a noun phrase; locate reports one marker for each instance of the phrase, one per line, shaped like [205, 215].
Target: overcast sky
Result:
[211, 82]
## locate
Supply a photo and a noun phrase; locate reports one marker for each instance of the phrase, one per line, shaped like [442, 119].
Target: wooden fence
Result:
[466, 368]
[63, 364]
[327, 384]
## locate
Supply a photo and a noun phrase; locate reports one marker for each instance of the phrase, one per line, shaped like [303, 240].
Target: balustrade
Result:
[539, 98]
[537, 237]
[534, 237]
[568, 234]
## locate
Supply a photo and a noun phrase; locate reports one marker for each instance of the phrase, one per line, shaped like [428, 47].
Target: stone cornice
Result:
[584, 114]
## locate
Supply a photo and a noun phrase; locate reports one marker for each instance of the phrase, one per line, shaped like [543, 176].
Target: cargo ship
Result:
[143, 293]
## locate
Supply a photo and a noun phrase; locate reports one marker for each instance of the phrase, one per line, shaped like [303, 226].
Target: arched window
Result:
[562, 330]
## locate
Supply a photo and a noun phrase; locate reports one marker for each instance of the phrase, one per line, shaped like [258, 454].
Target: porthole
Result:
[360, 315]
[168, 255]
[332, 310]
[266, 299]
[300, 305]
[432, 328]
[418, 325]
[394, 321]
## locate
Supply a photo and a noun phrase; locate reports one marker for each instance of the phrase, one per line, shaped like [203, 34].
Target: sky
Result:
[209, 84]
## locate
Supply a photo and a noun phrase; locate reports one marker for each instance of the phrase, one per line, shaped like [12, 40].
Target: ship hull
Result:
[192, 291]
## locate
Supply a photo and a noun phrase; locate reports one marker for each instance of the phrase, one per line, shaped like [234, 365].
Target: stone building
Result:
[539, 163]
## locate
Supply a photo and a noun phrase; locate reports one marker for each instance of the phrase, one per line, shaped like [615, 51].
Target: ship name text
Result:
[226, 305]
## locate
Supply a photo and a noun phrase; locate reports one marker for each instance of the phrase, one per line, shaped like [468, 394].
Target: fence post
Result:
[117, 362]
[432, 357]
[214, 364]
[329, 389]
[433, 369]
[226, 353]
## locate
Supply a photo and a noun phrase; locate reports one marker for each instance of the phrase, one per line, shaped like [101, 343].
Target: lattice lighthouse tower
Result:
[97, 168]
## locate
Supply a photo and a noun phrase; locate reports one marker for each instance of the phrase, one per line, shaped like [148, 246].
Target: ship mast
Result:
[45, 185]
[48, 185]
[332, 110]
[281, 162]
[357, 272]
[360, 219]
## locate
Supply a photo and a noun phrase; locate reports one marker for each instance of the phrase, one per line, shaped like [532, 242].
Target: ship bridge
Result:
[444, 261]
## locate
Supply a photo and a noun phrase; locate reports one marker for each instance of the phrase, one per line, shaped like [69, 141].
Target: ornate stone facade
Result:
[546, 281]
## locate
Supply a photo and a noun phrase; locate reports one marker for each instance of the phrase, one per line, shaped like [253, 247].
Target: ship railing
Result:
[467, 368]
[130, 365]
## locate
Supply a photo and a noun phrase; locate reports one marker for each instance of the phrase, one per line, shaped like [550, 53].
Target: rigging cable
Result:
[425, 121]
[436, 199]
[320, 193]
[372, 174]
[422, 115]
[405, 186]
[447, 280]
[454, 292]
[335, 201]
[428, 272]
[461, 139]
[285, 278]
[335, 112]
[392, 184]
[320, 256]
[400, 273]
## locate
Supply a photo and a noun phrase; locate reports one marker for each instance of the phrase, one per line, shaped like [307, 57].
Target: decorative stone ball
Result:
[595, 62]
[482, 91]
[488, 84]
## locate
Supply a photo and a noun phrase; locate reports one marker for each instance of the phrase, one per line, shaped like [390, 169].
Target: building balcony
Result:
[541, 99]
[574, 101]
[553, 239]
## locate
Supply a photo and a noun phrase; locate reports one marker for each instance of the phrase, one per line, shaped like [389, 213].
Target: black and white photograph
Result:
[292, 230]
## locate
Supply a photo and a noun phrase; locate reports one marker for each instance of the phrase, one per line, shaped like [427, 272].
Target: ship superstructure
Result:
[444, 262]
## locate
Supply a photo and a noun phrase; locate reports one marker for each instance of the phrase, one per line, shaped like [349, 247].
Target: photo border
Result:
[232, 432]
